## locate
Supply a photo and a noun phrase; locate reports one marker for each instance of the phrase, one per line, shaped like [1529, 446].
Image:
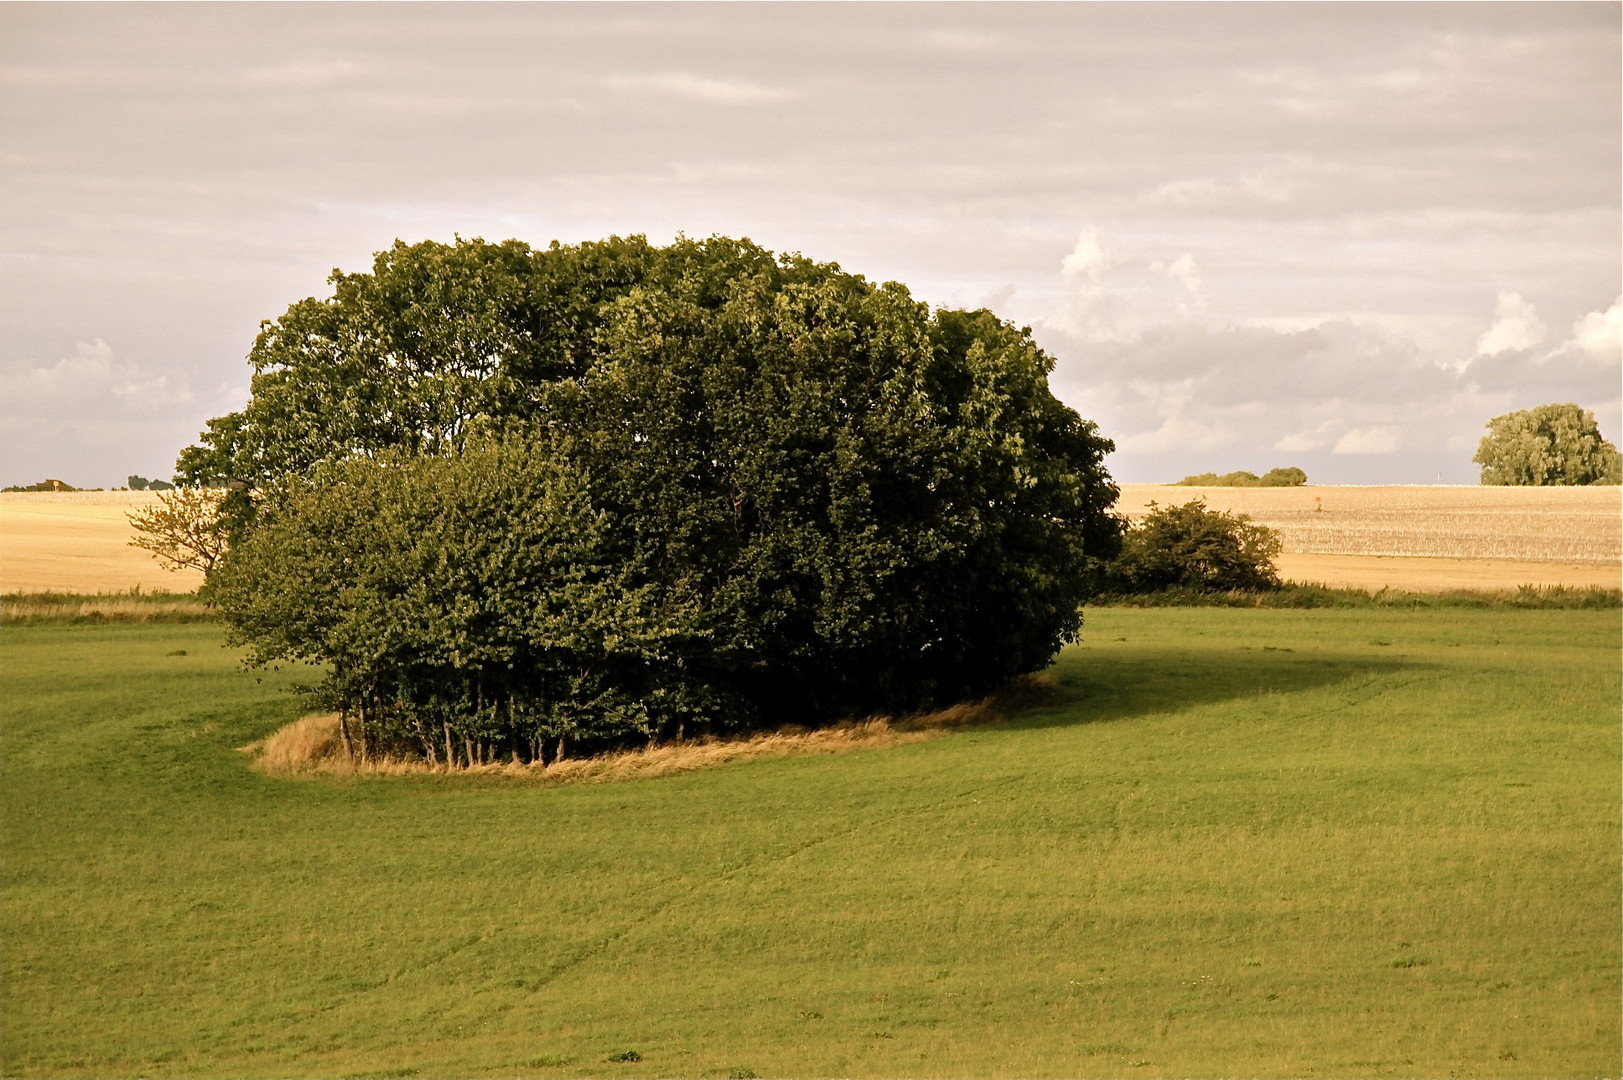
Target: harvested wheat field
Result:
[1425, 538]
[78, 542]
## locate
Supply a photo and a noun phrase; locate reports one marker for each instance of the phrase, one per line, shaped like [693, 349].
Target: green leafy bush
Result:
[1192, 548]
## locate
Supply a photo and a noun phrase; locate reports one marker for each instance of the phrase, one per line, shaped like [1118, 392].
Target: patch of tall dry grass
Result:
[133, 606]
[313, 745]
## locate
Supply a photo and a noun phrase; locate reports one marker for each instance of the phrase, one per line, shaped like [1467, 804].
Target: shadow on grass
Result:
[1097, 686]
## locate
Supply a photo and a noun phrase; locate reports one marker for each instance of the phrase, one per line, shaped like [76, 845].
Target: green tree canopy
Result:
[1547, 445]
[854, 502]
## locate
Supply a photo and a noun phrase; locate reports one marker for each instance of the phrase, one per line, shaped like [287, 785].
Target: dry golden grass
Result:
[78, 542]
[314, 745]
[40, 607]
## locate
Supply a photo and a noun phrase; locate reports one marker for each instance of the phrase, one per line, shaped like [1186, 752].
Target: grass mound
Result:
[314, 745]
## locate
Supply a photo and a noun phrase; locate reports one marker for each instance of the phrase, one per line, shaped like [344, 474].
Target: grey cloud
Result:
[1177, 395]
[81, 418]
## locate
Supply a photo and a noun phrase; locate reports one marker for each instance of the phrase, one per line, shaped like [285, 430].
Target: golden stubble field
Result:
[1425, 538]
[78, 541]
[1414, 538]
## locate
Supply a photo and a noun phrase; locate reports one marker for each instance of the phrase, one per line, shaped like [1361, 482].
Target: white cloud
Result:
[1184, 271]
[89, 381]
[303, 73]
[1206, 193]
[1598, 333]
[699, 88]
[95, 416]
[1088, 259]
[1298, 442]
[964, 41]
[1516, 326]
[1586, 367]
[1370, 440]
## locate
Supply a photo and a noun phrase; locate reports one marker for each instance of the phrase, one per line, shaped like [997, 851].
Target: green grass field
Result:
[1252, 842]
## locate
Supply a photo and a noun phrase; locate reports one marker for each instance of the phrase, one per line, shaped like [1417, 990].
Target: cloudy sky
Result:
[1337, 237]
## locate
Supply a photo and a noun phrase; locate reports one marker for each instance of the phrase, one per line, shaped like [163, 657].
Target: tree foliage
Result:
[805, 495]
[1189, 546]
[184, 530]
[1285, 477]
[467, 604]
[1547, 445]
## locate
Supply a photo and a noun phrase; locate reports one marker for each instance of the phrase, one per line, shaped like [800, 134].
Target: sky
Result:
[1339, 237]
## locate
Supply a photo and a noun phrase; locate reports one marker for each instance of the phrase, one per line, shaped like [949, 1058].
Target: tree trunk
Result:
[343, 728]
[450, 753]
[428, 744]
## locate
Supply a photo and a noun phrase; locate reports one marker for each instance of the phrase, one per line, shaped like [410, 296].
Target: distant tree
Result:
[137, 483]
[44, 485]
[184, 530]
[160, 485]
[1548, 445]
[1287, 477]
[1190, 546]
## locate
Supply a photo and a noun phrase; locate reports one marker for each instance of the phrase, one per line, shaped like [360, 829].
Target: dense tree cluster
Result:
[519, 499]
[1547, 445]
[1285, 477]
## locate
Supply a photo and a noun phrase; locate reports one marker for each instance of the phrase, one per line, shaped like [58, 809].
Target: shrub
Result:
[1191, 547]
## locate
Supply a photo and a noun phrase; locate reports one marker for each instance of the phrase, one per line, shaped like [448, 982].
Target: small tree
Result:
[184, 530]
[1547, 445]
[1193, 547]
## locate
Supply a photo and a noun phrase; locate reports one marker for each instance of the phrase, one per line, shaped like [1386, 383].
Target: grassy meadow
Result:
[1250, 842]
